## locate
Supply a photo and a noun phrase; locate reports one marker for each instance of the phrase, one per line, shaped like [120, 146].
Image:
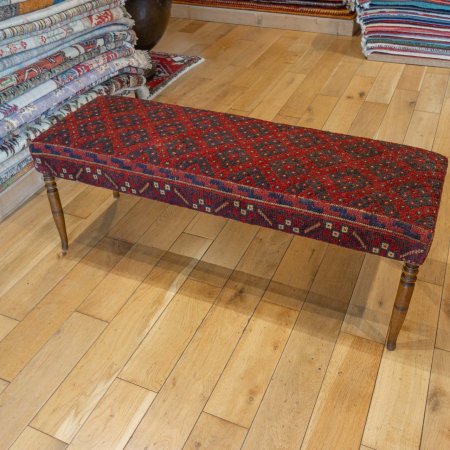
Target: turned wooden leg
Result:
[404, 293]
[57, 211]
[116, 194]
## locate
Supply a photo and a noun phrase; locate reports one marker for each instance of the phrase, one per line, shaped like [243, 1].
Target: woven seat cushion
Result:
[359, 193]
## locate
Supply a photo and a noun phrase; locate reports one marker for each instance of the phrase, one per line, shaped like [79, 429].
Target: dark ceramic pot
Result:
[151, 18]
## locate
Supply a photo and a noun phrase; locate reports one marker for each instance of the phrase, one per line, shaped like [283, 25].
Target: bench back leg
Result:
[57, 211]
[404, 293]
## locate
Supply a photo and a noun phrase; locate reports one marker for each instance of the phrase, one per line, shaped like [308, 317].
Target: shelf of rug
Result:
[322, 16]
[405, 31]
[56, 56]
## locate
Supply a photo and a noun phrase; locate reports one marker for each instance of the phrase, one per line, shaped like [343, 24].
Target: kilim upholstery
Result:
[363, 194]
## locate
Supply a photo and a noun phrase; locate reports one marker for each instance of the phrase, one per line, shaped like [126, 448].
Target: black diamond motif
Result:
[378, 202]
[88, 113]
[287, 168]
[231, 157]
[418, 162]
[196, 165]
[60, 135]
[146, 154]
[310, 185]
[324, 157]
[170, 128]
[92, 127]
[269, 147]
[122, 106]
[361, 150]
[156, 113]
[218, 137]
[251, 176]
[181, 146]
[349, 180]
[126, 120]
[102, 143]
[304, 140]
[386, 170]
[414, 195]
[205, 122]
[253, 130]
[133, 136]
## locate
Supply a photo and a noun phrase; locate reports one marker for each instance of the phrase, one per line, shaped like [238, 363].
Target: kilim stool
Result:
[363, 194]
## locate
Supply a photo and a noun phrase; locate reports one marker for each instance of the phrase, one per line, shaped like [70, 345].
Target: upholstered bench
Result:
[362, 194]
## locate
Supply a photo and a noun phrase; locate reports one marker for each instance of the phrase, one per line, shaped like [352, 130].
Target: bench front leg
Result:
[404, 293]
[57, 211]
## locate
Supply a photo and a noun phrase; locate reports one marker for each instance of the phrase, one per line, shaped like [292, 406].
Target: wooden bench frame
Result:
[402, 299]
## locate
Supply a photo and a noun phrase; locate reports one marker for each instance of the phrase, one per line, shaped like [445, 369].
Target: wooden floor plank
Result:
[348, 106]
[40, 279]
[398, 404]
[240, 389]
[28, 392]
[398, 116]
[295, 274]
[3, 385]
[317, 112]
[285, 411]
[225, 252]
[85, 203]
[23, 342]
[69, 407]
[138, 220]
[368, 120]
[436, 429]
[340, 413]
[370, 308]
[412, 78]
[34, 439]
[6, 325]
[167, 227]
[422, 129]
[155, 358]
[277, 97]
[215, 433]
[113, 421]
[315, 79]
[106, 300]
[206, 226]
[432, 92]
[385, 84]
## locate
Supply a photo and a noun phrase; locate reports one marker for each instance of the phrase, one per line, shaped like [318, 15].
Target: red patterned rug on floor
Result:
[169, 67]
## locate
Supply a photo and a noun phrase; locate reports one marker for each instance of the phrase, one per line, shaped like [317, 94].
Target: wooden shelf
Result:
[266, 19]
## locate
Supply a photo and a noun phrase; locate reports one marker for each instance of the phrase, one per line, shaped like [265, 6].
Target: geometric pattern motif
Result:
[359, 193]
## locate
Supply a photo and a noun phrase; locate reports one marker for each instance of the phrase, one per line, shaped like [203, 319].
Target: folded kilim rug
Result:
[316, 8]
[169, 67]
[412, 28]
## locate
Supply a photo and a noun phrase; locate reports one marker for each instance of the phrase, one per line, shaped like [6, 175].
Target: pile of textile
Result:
[413, 28]
[315, 8]
[55, 56]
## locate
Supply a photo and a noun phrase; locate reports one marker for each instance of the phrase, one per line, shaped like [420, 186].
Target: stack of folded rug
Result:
[412, 28]
[315, 8]
[55, 56]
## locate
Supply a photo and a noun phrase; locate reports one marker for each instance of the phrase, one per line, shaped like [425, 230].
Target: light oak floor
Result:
[167, 329]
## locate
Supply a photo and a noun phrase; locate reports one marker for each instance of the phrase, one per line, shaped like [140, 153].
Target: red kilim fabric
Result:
[359, 193]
